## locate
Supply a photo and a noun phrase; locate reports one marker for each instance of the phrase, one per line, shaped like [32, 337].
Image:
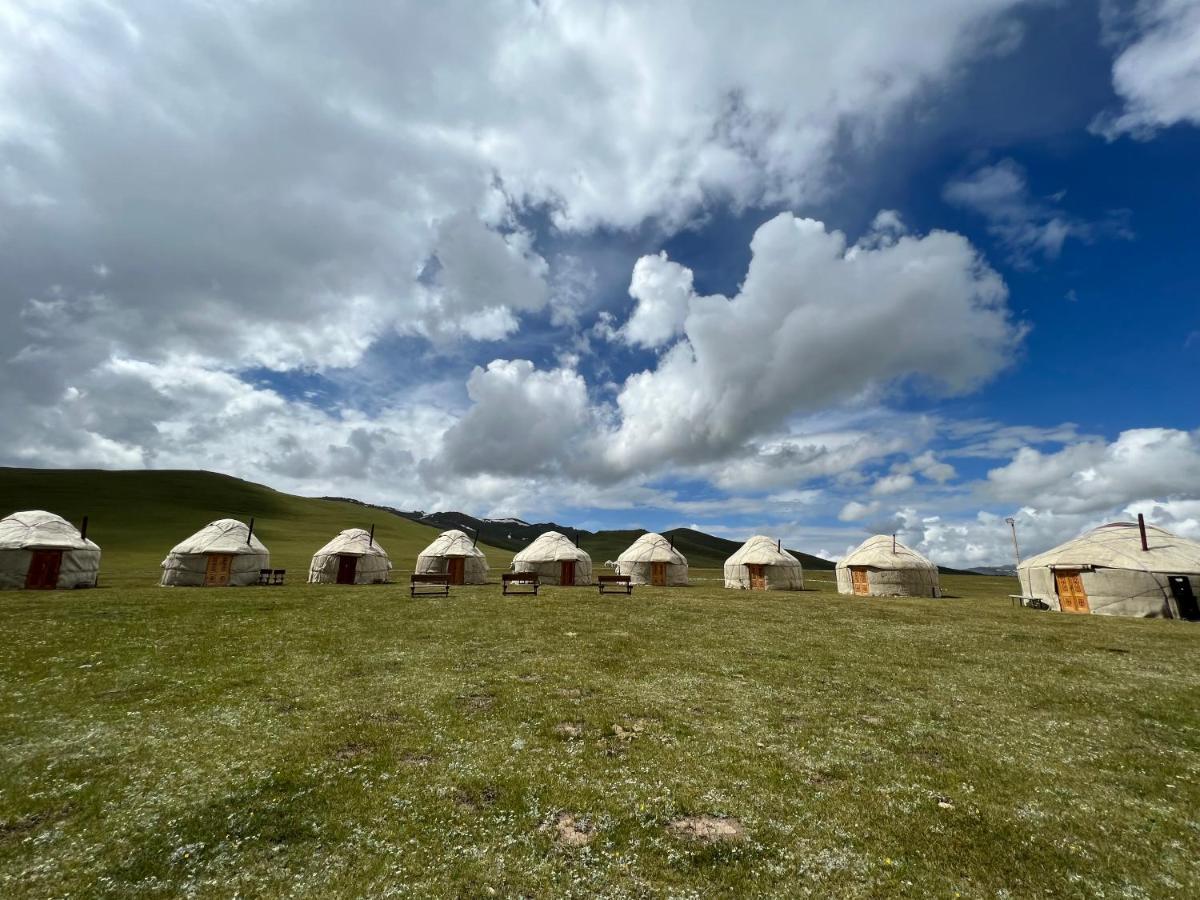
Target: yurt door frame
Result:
[758, 577]
[217, 568]
[347, 568]
[567, 573]
[1071, 595]
[44, 566]
[658, 574]
[1185, 599]
[456, 567]
[860, 580]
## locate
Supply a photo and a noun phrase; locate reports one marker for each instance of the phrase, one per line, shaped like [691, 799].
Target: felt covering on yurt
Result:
[780, 570]
[1119, 578]
[453, 544]
[372, 563]
[187, 563]
[638, 561]
[890, 568]
[546, 555]
[23, 533]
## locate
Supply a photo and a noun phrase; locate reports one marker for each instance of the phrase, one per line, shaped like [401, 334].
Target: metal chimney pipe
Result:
[250, 533]
[779, 545]
[1142, 529]
[893, 544]
[83, 529]
[371, 537]
[476, 541]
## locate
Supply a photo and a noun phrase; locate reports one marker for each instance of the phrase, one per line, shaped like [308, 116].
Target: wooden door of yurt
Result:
[217, 569]
[758, 577]
[1071, 596]
[456, 566]
[862, 584]
[567, 573]
[43, 570]
[658, 574]
[347, 567]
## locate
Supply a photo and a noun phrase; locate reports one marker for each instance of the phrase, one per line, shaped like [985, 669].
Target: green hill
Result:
[136, 517]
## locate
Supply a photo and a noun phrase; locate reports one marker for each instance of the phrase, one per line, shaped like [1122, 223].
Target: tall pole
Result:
[1012, 523]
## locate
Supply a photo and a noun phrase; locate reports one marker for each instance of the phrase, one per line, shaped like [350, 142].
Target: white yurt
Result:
[1107, 572]
[454, 554]
[762, 564]
[556, 559]
[652, 559]
[881, 566]
[42, 551]
[223, 553]
[353, 557]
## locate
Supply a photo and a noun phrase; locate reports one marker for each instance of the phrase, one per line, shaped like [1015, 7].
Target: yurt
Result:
[454, 554]
[224, 553]
[556, 559]
[652, 559]
[353, 557]
[42, 551]
[881, 566]
[762, 564]
[1120, 569]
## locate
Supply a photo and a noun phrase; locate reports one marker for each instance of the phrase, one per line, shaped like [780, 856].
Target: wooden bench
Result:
[508, 581]
[1027, 602]
[271, 576]
[430, 585]
[614, 584]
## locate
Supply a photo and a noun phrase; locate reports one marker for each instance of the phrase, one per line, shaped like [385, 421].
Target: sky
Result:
[810, 270]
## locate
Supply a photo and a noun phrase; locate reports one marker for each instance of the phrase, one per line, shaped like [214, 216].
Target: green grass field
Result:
[319, 741]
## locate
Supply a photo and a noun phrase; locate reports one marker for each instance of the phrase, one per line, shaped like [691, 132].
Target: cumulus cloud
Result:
[663, 291]
[816, 323]
[1028, 226]
[1157, 71]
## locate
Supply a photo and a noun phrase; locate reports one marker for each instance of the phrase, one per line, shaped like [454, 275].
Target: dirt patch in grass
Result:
[350, 751]
[415, 759]
[475, 798]
[571, 830]
[707, 829]
[16, 828]
[477, 702]
[569, 731]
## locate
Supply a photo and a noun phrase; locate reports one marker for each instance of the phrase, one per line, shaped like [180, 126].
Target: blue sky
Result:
[808, 271]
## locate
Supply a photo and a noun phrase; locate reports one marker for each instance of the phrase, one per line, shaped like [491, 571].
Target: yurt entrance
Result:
[347, 568]
[455, 567]
[567, 573]
[862, 584]
[758, 577]
[1071, 595]
[658, 574]
[1185, 600]
[43, 570]
[217, 569]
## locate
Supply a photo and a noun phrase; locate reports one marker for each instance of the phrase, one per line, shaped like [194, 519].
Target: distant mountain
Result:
[993, 570]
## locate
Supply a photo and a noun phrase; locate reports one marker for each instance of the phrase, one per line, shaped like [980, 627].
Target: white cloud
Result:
[854, 510]
[816, 323]
[1157, 73]
[893, 484]
[663, 290]
[1028, 226]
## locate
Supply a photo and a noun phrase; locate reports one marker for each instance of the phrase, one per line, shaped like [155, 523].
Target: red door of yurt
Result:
[347, 567]
[43, 570]
[567, 575]
[456, 566]
[658, 574]
[758, 577]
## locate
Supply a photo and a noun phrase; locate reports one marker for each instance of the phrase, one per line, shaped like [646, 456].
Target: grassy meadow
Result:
[691, 742]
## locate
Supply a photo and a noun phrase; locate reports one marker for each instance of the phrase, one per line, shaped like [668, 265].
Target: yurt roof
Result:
[221, 536]
[1118, 545]
[876, 551]
[760, 550]
[452, 543]
[551, 547]
[352, 542]
[37, 529]
[651, 547]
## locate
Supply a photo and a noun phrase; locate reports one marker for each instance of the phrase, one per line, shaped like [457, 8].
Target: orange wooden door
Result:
[42, 574]
[455, 568]
[1071, 596]
[658, 574]
[567, 575]
[862, 585]
[217, 569]
[758, 578]
[347, 568]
